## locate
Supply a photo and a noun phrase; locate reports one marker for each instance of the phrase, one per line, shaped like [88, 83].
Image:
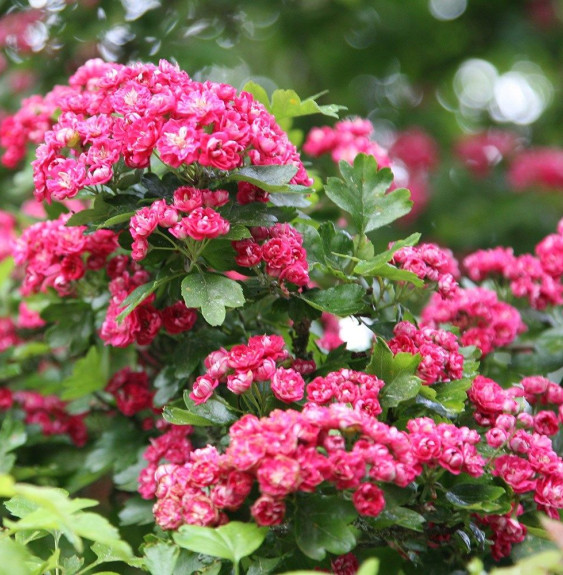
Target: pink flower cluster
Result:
[131, 391]
[482, 319]
[528, 463]
[416, 149]
[202, 222]
[28, 125]
[285, 453]
[113, 112]
[48, 412]
[430, 262]
[439, 351]
[482, 151]
[244, 364]
[534, 277]
[291, 451]
[445, 445]
[345, 141]
[55, 255]
[507, 531]
[145, 321]
[537, 167]
[490, 400]
[356, 388]
[280, 249]
[172, 446]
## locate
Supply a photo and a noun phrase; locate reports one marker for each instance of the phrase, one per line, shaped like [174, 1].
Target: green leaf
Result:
[136, 511]
[399, 516]
[237, 232]
[108, 452]
[322, 524]
[387, 366]
[212, 293]
[395, 274]
[232, 541]
[7, 485]
[366, 267]
[88, 375]
[475, 496]
[402, 388]
[271, 178]
[252, 214]
[105, 209]
[30, 349]
[137, 297]
[15, 558]
[178, 416]
[263, 565]
[212, 410]
[46, 509]
[290, 199]
[161, 557]
[117, 219]
[287, 104]
[341, 300]
[453, 394]
[74, 325]
[362, 193]
[536, 564]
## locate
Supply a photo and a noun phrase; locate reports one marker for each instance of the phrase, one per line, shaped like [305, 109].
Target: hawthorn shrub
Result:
[170, 347]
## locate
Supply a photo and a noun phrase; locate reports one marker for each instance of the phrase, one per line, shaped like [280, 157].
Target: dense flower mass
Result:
[430, 262]
[534, 277]
[144, 322]
[482, 319]
[56, 256]
[49, 413]
[538, 167]
[244, 364]
[439, 351]
[280, 249]
[345, 141]
[112, 112]
[280, 455]
[184, 297]
[482, 151]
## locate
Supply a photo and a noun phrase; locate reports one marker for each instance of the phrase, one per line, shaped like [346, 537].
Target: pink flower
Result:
[240, 382]
[178, 318]
[278, 476]
[168, 513]
[517, 472]
[288, 385]
[187, 198]
[178, 143]
[203, 389]
[369, 500]
[268, 511]
[198, 509]
[205, 223]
